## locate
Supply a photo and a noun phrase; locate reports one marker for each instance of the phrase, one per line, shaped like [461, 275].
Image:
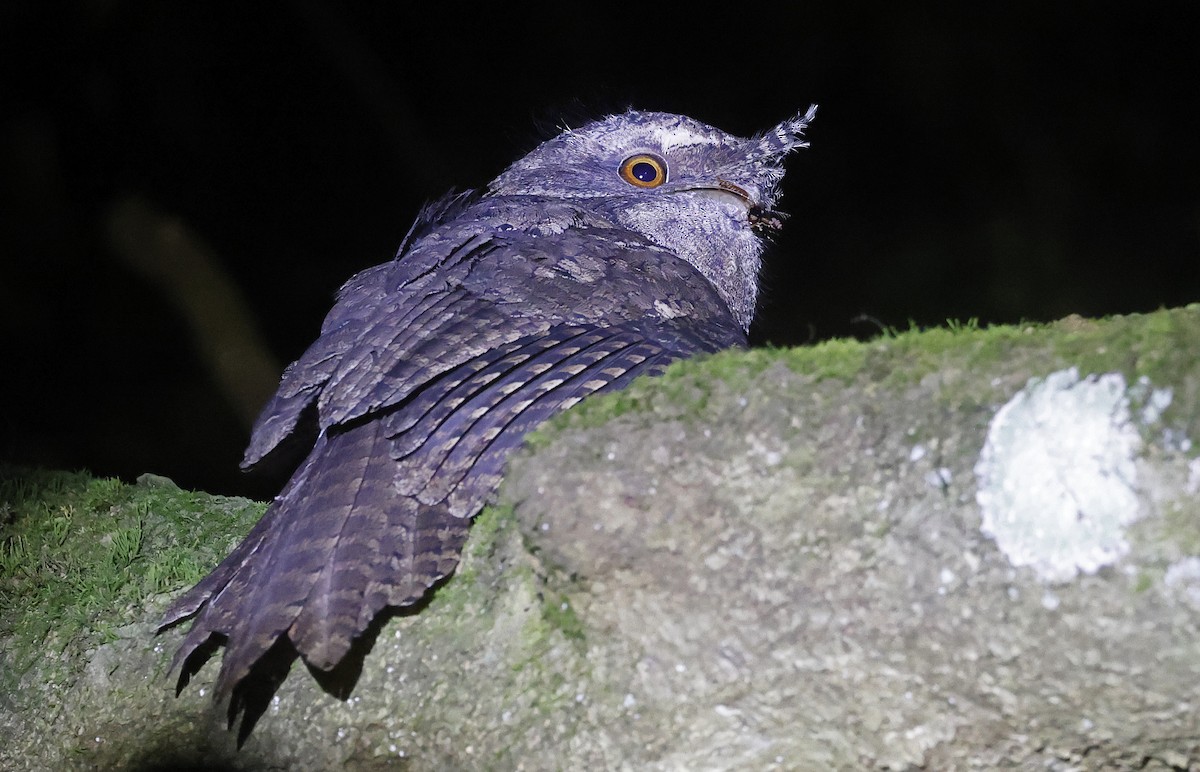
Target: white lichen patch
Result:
[1057, 480]
[1157, 401]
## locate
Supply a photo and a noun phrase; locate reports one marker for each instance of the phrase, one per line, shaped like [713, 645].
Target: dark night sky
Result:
[1002, 162]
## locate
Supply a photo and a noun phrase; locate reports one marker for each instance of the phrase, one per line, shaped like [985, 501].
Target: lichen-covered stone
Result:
[768, 560]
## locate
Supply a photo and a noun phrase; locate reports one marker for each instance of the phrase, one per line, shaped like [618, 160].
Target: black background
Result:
[999, 161]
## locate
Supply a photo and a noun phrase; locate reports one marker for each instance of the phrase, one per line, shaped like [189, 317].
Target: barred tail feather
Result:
[330, 553]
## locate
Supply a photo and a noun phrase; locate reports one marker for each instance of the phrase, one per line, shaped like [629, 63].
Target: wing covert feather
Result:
[398, 326]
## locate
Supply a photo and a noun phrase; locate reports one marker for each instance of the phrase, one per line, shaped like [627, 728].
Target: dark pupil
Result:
[645, 171]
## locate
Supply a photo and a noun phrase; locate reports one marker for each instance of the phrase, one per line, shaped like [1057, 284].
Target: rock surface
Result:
[769, 560]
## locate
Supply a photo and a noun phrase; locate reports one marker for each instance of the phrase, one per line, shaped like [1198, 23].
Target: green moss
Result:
[478, 565]
[486, 528]
[559, 614]
[1159, 346]
[687, 385]
[80, 557]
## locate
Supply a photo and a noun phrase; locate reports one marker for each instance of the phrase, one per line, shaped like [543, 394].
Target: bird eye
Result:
[644, 170]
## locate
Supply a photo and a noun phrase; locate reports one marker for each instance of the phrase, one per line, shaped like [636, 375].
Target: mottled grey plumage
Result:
[606, 253]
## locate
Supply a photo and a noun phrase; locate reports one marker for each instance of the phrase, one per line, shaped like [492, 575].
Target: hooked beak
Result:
[759, 217]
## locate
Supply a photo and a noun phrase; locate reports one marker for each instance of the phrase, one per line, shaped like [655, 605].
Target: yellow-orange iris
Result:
[644, 170]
